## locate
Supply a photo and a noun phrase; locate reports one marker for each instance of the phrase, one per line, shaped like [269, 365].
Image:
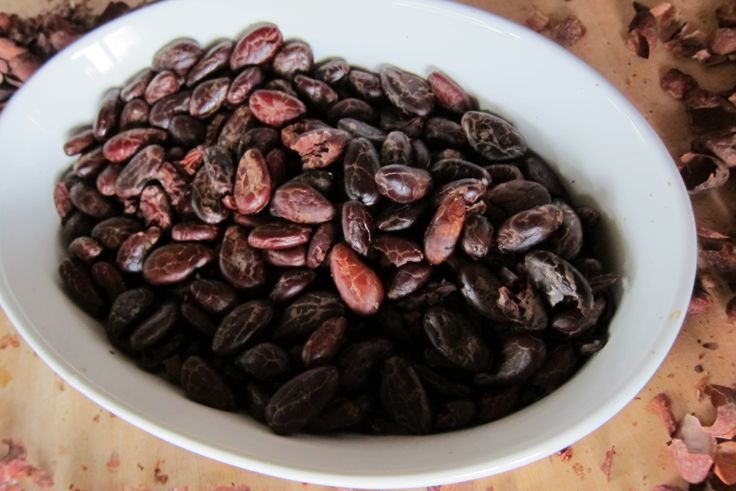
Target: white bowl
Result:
[605, 150]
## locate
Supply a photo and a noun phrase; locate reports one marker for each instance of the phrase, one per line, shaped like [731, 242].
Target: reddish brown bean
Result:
[164, 110]
[112, 232]
[359, 287]
[135, 113]
[244, 84]
[366, 84]
[179, 56]
[359, 129]
[449, 94]
[320, 147]
[240, 264]
[300, 203]
[403, 184]
[194, 232]
[398, 250]
[352, 108]
[214, 60]
[155, 327]
[209, 97]
[63, 204]
[137, 85]
[109, 278]
[444, 230]
[406, 91]
[107, 118]
[395, 218]
[174, 263]
[80, 141]
[493, 137]
[295, 257]
[214, 296]
[90, 163]
[477, 236]
[357, 226]
[324, 343]
[80, 287]
[320, 245]
[253, 186]
[155, 208]
[256, 47]
[318, 93]
[124, 145]
[293, 58]
[275, 108]
[360, 165]
[143, 168]
[409, 279]
[162, 85]
[332, 71]
[87, 200]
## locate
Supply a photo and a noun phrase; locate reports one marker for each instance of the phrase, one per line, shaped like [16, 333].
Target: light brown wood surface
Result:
[76, 442]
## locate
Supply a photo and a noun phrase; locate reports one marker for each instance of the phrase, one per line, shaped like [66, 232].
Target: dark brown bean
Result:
[78, 283]
[434, 382]
[162, 85]
[403, 184]
[455, 338]
[398, 250]
[134, 114]
[528, 228]
[208, 97]
[80, 141]
[471, 191]
[244, 84]
[155, 327]
[357, 226]
[127, 310]
[403, 396]
[164, 110]
[451, 169]
[77, 224]
[559, 365]
[214, 296]
[454, 415]
[340, 414]
[501, 173]
[320, 147]
[256, 47]
[477, 236]
[572, 323]
[359, 361]
[359, 287]
[409, 279]
[294, 257]
[443, 131]
[155, 208]
[444, 230]
[256, 398]
[198, 319]
[194, 232]
[137, 85]
[112, 232]
[135, 248]
[366, 84]
[214, 60]
[307, 313]
[106, 180]
[301, 399]
[360, 165]
[558, 280]
[320, 245]
[395, 218]
[291, 283]
[90, 202]
[85, 248]
[396, 149]
[174, 263]
[449, 94]
[392, 120]
[300, 203]
[241, 325]
[264, 361]
[406, 91]
[568, 240]
[324, 343]
[518, 195]
[359, 129]
[107, 119]
[352, 108]
[202, 384]
[537, 170]
[332, 71]
[179, 56]
[522, 356]
[276, 236]
[241, 265]
[89, 164]
[126, 144]
[275, 108]
[186, 131]
[143, 168]
[493, 406]
[493, 137]
[109, 278]
[294, 57]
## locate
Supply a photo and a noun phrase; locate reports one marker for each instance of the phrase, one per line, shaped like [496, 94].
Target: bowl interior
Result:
[606, 152]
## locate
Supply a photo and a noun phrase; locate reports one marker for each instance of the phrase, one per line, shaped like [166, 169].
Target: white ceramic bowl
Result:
[605, 150]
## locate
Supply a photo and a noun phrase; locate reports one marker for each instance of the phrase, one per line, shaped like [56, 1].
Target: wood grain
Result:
[78, 443]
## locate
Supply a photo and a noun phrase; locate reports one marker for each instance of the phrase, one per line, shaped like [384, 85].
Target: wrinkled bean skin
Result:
[134, 114]
[358, 362]
[106, 180]
[558, 280]
[332, 71]
[406, 91]
[202, 384]
[127, 310]
[301, 399]
[396, 149]
[448, 170]
[291, 133]
[290, 284]
[359, 129]
[244, 84]
[186, 130]
[444, 231]
[572, 322]
[397, 250]
[178, 56]
[518, 195]
[320, 245]
[493, 137]
[300, 203]
[392, 120]
[264, 361]
[395, 218]
[155, 208]
[454, 337]
[208, 97]
[528, 228]
[87, 200]
[162, 85]
[89, 164]
[173, 263]
[324, 343]
[477, 236]
[359, 287]
[294, 57]
[366, 84]
[81, 289]
[360, 165]
[206, 201]
[352, 108]
[109, 278]
[253, 187]
[403, 397]
[165, 109]
[275, 108]
[240, 325]
[471, 190]
[124, 145]
[155, 327]
[449, 94]
[85, 248]
[214, 296]
[137, 86]
[112, 232]
[197, 318]
[294, 257]
[357, 226]
[143, 168]
[318, 93]
[320, 147]
[256, 47]
[240, 264]
[107, 118]
[409, 279]
[403, 184]
[307, 313]
[568, 240]
[537, 170]
[340, 414]
[521, 357]
[501, 173]
[443, 131]
[214, 60]
[276, 236]
[135, 248]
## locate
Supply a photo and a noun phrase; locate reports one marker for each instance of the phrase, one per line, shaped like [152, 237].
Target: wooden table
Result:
[83, 447]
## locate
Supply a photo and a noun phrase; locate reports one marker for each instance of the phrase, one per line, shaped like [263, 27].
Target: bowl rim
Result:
[594, 420]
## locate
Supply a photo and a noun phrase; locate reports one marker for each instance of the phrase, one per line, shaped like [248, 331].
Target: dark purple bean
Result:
[90, 164]
[358, 285]
[186, 130]
[241, 325]
[155, 327]
[78, 283]
[137, 85]
[174, 263]
[452, 169]
[85, 248]
[86, 199]
[109, 278]
[198, 319]
[392, 120]
[398, 250]
[318, 93]
[307, 313]
[537, 170]
[443, 131]
[127, 310]
[403, 184]
[179, 56]
[332, 71]
[495, 406]
[202, 384]
[403, 396]
[559, 365]
[162, 85]
[409, 279]
[214, 296]
[358, 362]
[471, 190]
[275, 108]
[135, 114]
[113, 231]
[264, 361]
[367, 85]
[493, 137]
[454, 415]
[76, 225]
[208, 97]
[135, 248]
[164, 110]
[449, 94]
